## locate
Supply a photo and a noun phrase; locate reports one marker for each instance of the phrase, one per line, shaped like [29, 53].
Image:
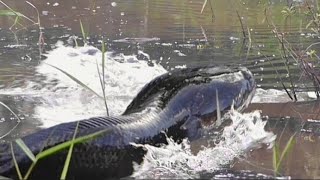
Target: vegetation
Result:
[50, 151]
[277, 158]
[9, 12]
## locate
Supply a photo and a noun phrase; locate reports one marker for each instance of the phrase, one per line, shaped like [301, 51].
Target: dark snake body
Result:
[181, 103]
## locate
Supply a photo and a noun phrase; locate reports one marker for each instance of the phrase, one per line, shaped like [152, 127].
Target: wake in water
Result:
[178, 161]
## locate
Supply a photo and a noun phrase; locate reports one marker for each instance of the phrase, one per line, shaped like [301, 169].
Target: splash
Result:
[125, 75]
[64, 100]
[177, 160]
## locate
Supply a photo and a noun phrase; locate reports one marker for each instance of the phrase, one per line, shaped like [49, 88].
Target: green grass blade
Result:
[84, 36]
[25, 149]
[286, 150]
[7, 12]
[64, 145]
[102, 87]
[15, 162]
[203, 6]
[103, 50]
[16, 21]
[4, 178]
[68, 159]
[67, 144]
[275, 158]
[103, 82]
[75, 41]
[14, 127]
[76, 80]
[30, 170]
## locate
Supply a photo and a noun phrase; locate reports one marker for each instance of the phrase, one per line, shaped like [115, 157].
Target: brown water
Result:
[158, 28]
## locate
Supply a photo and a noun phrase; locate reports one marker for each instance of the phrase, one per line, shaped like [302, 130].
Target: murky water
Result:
[145, 39]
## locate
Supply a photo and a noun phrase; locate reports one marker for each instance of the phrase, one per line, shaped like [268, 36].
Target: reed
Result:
[304, 58]
[76, 80]
[286, 50]
[15, 162]
[53, 150]
[11, 12]
[83, 32]
[278, 158]
[18, 120]
[102, 79]
[68, 158]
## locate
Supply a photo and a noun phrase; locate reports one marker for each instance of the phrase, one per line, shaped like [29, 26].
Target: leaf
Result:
[203, 6]
[84, 36]
[15, 162]
[5, 178]
[76, 80]
[275, 157]
[286, 150]
[68, 158]
[7, 12]
[103, 50]
[19, 120]
[310, 22]
[102, 81]
[64, 145]
[25, 149]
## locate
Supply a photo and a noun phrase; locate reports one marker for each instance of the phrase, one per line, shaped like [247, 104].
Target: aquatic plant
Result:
[285, 48]
[211, 8]
[102, 80]
[83, 32]
[48, 152]
[76, 80]
[307, 58]
[18, 119]
[278, 159]
[11, 12]
[16, 15]
[68, 144]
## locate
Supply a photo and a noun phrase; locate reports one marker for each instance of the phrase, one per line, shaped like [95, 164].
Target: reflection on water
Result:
[164, 33]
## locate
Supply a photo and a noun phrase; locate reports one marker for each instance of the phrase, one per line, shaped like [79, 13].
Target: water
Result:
[148, 38]
[62, 99]
[177, 160]
[57, 98]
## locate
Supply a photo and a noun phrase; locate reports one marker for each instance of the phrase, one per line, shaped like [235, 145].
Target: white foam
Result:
[69, 101]
[177, 161]
[125, 75]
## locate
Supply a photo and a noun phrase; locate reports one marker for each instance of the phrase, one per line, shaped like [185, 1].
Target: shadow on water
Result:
[170, 32]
